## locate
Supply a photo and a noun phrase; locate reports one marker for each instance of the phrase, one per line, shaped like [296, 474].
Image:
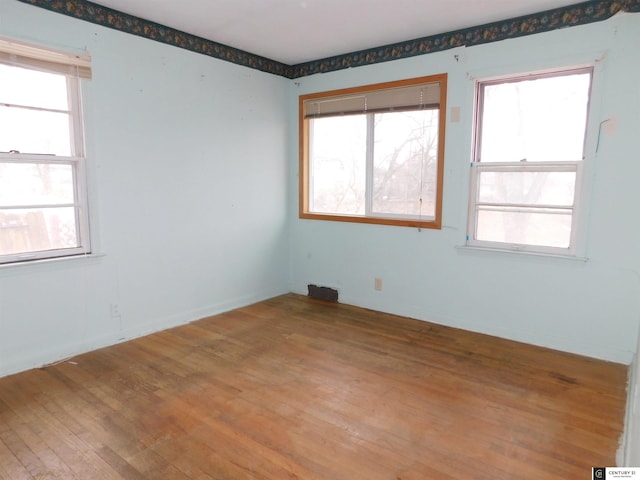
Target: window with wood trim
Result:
[374, 154]
[43, 201]
[528, 161]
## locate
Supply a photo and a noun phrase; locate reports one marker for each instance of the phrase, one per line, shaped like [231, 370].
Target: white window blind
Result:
[18, 54]
[413, 97]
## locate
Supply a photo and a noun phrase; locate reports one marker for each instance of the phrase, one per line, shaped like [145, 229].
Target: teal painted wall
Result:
[587, 307]
[188, 191]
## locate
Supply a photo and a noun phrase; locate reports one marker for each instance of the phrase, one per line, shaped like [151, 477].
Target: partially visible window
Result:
[374, 154]
[43, 202]
[529, 156]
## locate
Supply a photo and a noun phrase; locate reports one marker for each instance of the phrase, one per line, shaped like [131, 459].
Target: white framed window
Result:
[528, 161]
[374, 154]
[43, 198]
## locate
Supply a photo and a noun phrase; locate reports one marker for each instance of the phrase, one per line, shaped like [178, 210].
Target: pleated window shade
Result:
[20, 54]
[412, 97]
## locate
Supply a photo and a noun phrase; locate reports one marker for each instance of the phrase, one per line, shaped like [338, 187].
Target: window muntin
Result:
[374, 154]
[529, 156]
[43, 203]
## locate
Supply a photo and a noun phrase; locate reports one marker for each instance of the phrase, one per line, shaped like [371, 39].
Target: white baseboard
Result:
[61, 352]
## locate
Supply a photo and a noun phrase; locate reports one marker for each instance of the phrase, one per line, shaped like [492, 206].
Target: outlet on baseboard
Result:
[377, 284]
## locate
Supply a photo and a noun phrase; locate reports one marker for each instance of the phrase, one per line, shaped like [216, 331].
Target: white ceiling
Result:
[296, 31]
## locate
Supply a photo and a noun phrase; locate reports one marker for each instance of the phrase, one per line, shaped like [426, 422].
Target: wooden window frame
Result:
[304, 172]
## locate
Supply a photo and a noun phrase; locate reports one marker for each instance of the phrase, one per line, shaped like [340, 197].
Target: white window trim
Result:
[578, 245]
[7, 268]
[22, 55]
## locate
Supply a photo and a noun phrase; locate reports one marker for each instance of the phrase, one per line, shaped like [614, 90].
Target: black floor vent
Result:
[323, 293]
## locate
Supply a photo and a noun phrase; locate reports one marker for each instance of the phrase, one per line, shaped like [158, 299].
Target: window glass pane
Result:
[35, 184]
[537, 120]
[405, 163]
[34, 131]
[337, 164]
[525, 228]
[529, 188]
[20, 86]
[33, 230]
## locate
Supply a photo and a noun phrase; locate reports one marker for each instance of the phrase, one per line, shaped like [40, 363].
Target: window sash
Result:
[480, 103]
[476, 205]
[79, 206]
[369, 189]
[74, 111]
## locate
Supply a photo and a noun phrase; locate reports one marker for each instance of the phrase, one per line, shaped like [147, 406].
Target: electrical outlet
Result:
[454, 115]
[377, 284]
[115, 310]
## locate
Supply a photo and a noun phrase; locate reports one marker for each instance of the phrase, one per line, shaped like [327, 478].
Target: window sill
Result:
[51, 261]
[478, 249]
[398, 222]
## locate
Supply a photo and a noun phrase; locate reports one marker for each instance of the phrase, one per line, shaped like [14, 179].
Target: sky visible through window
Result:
[34, 112]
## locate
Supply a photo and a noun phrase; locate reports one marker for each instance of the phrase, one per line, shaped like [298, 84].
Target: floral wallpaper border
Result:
[578, 14]
[107, 17]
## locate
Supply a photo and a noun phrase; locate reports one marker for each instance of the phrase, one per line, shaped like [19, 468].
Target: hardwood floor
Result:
[294, 388]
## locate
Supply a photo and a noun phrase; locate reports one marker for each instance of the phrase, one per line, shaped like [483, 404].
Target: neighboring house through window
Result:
[43, 200]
